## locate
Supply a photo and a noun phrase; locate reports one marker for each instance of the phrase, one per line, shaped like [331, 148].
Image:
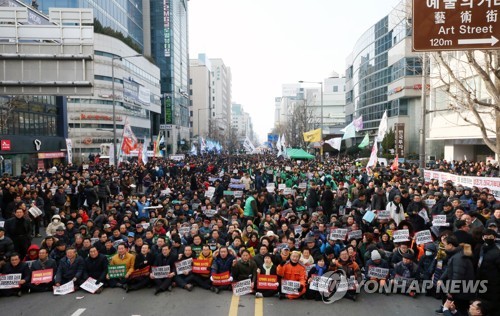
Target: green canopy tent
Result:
[297, 153]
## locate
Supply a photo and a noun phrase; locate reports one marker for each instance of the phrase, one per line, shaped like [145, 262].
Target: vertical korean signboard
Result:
[455, 24]
[167, 101]
[399, 142]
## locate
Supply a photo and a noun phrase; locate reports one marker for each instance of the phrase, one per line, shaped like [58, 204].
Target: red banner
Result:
[42, 276]
[140, 272]
[221, 279]
[267, 282]
[201, 266]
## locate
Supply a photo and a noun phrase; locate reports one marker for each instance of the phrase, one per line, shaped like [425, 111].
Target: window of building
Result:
[335, 88]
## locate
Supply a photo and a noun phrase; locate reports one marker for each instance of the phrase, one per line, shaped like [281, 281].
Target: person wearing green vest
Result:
[250, 209]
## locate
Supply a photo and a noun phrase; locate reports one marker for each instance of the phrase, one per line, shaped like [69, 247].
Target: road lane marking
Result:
[233, 308]
[78, 312]
[259, 306]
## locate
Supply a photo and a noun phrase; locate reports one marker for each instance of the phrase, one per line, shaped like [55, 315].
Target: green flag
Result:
[364, 142]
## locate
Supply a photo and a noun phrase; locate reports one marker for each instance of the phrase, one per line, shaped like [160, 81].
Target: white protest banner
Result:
[290, 287]
[338, 233]
[2, 223]
[423, 237]
[183, 230]
[424, 215]
[439, 220]
[210, 192]
[90, 286]
[302, 185]
[320, 283]
[160, 272]
[242, 287]
[401, 235]
[355, 234]
[297, 229]
[10, 281]
[384, 215]
[184, 266]
[270, 187]
[281, 186]
[64, 289]
[377, 273]
[492, 183]
[238, 194]
[35, 211]
[210, 212]
[287, 191]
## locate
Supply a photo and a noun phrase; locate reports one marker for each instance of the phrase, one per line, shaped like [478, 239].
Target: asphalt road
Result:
[201, 302]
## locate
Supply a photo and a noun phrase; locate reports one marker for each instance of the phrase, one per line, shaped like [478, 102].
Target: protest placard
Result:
[220, 279]
[90, 285]
[242, 287]
[401, 235]
[320, 283]
[35, 211]
[184, 266]
[439, 220]
[369, 216]
[10, 281]
[64, 288]
[228, 192]
[160, 272]
[342, 210]
[281, 186]
[210, 212]
[93, 240]
[233, 180]
[42, 276]
[267, 282]
[201, 266]
[302, 185]
[423, 237]
[237, 186]
[355, 234]
[338, 234]
[117, 243]
[290, 287]
[270, 187]
[297, 229]
[140, 272]
[287, 191]
[238, 194]
[210, 192]
[377, 273]
[117, 271]
[383, 215]
[2, 223]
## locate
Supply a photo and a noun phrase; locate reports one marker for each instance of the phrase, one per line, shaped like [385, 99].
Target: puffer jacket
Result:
[294, 272]
[220, 265]
[54, 225]
[460, 268]
[210, 259]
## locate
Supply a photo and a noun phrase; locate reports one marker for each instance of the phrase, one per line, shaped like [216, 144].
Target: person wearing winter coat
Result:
[351, 270]
[6, 247]
[221, 263]
[244, 268]
[70, 268]
[55, 223]
[460, 268]
[16, 266]
[268, 267]
[396, 209]
[165, 258]
[185, 280]
[203, 279]
[427, 262]
[90, 193]
[376, 261]
[43, 263]
[293, 271]
[405, 272]
[96, 267]
[32, 253]
[143, 259]
[319, 268]
[413, 211]
[489, 268]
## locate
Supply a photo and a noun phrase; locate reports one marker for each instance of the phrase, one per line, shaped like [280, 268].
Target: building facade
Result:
[241, 123]
[201, 96]
[383, 74]
[220, 120]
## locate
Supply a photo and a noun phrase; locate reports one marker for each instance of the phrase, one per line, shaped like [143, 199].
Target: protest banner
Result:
[355, 234]
[281, 186]
[160, 272]
[10, 281]
[297, 229]
[238, 194]
[90, 285]
[242, 287]
[210, 212]
[423, 237]
[35, 211]
[233, 180]
[184, 230]
[237, 186]
[210, 192]
[117, 271]
[399, 279]
[401, 235]
[320, 283]
[140, 272]
[287, 191]
[201, 266]
[42, 276]
[302, 185]
[383, 215]
[220, 279]
[338, 234]
[270, 187]
[184, 266]
[439, 220]
[64, 288]
[267, 282]
[290, 287]
[377, 273]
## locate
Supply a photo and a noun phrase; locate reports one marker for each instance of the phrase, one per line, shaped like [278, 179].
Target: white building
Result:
[136, 91]
[241, 122]
[221, 98]
[202, 91]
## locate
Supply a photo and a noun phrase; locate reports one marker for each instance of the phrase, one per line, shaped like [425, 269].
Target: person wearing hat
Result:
[404, 270]
[293, 271]
[376, 261]
[489, 268]
[55, 222]
[130, 239]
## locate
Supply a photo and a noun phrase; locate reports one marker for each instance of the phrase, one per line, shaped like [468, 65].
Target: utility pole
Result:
[423, 114]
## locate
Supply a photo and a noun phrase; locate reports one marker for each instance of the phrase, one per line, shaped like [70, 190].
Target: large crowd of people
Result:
[213, 220]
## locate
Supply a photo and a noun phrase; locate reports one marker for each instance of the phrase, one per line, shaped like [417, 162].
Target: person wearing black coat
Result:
[43, 263]
[185, 280]
[267, 267]
[312, 198]
[489, 268]
[462, 233]
[143, 259]
[327, 200]
[16, 266]
[413, 210]
[6, 247]
[96, 266]
[18, 228]
[165, 258]
[70, 268]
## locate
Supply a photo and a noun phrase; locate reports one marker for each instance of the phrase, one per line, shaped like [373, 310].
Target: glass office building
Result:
[124, 16]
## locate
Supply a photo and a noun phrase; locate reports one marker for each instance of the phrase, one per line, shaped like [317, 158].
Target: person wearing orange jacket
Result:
[293, 271]
[203, 279]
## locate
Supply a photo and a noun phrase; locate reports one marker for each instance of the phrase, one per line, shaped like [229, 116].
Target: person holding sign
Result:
[293, 271]
[165, 258]
[15, 266]
[184, 268]
[405, 271]
[201, 268]
[222, 263]
[352, 272]
[43, 263]
[96, 267]
[377, 263]
[245, 268]
[267, 268]
[143, 260]
[123, 257]
[70, 268]
[316, 271]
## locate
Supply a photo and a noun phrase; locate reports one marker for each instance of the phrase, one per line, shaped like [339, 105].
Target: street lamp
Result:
[199, 119]
[115, 158]
[321, 107]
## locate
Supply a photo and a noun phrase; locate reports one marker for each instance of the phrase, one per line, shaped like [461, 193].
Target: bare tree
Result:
[7, 107]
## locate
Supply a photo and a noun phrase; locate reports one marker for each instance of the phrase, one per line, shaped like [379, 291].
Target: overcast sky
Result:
[271, 42]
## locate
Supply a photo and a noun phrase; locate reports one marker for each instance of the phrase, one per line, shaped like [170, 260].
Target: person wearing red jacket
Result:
[293, 271]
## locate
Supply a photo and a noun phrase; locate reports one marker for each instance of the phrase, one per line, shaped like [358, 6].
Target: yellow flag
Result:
[313, 136]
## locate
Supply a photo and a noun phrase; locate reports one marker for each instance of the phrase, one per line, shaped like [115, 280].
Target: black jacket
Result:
[244, 270]
[96, 268]
[68, 271]
[6, 247]
[460, 267]
[18, 228]
[170, 260]
[489, 270]
[22, 268]
[142, 261]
